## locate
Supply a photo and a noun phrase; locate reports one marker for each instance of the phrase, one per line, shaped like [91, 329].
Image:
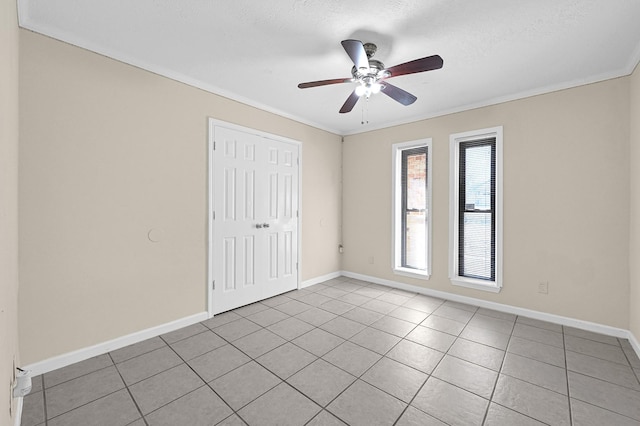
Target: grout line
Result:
[429, 376]
[317, 414]
[140, 354]
[628, 361]
[87, 403]
[77, 377]
[500, 372]
[129, 391]
[506, 352]
[566, 372]
[44, 401]
[44, 389]
[187, 337]
[207, 384]
[495, 385]
[589, 403]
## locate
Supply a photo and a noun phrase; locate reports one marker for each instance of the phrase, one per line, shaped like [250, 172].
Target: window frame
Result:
[455, 140]
[396, 209]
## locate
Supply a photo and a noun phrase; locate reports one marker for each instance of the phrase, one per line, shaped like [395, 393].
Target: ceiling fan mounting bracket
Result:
[370, 49]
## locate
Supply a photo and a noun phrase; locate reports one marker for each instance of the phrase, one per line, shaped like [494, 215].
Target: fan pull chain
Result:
[365, 112]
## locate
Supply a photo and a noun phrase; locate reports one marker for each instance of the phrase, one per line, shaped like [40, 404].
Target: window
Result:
[411, 204]
[475, 230]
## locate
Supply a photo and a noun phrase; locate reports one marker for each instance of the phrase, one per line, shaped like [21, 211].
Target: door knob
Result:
[265, 225]
[259, 225]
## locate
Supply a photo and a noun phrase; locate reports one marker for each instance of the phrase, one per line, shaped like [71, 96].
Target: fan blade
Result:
[418, 65]
[355, 50]
[324, 82]
[350, 102]
[396, 93]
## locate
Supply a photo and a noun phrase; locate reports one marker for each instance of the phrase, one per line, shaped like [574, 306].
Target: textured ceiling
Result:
[257, 52]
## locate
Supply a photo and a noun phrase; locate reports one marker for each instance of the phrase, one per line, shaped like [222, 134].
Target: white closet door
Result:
[255, 229]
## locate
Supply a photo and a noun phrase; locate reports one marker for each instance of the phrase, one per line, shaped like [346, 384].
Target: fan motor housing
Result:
[376, 71]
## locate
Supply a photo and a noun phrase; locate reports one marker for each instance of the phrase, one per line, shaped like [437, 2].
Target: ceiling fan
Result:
[371, 75]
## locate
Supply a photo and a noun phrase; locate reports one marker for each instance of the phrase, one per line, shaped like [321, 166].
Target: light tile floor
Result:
[351, 352]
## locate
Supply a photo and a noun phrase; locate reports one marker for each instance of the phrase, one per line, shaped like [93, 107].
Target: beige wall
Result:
[8, 206]
[109, 151]
[566, 200]
[634, 252]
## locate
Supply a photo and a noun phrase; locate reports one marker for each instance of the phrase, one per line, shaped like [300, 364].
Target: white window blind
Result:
[475, 224]
[476, 239]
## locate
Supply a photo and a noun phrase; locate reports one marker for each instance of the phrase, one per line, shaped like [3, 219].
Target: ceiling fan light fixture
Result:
[368, 89]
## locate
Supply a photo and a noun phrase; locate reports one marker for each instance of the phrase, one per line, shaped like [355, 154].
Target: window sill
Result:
[412, 273]
[490, 286]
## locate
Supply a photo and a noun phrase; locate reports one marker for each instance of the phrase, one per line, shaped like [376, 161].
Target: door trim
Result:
[212, 124]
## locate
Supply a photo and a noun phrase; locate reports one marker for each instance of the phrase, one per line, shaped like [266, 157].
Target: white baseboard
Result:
[318, 280]
[63, 360]
[543, 316]
[69, 358]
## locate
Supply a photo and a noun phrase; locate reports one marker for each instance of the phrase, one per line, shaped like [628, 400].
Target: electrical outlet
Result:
[543, 287]
[371, 260]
